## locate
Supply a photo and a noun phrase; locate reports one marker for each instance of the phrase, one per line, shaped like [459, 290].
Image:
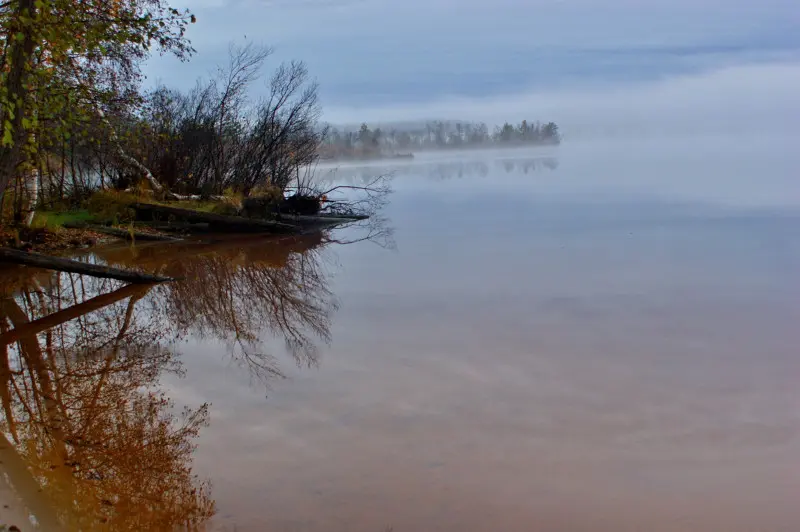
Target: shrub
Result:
[263, 202]
[110, 206]
[225, 207]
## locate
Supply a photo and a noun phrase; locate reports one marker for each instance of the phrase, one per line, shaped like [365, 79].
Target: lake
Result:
[596, 337]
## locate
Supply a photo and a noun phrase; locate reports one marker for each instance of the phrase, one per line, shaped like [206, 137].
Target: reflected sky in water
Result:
[604, 342]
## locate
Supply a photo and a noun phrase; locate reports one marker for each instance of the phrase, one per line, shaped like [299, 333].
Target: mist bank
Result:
[403, 140]
[744, 99]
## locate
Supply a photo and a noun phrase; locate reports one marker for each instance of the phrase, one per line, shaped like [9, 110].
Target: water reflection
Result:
[82, 358]
[237, 290]
[82, 407]
[443, 170]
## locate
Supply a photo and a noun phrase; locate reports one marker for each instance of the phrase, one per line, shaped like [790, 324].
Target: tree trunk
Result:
[157, 187]
[33, 198]
[5, 385]
[21, 58]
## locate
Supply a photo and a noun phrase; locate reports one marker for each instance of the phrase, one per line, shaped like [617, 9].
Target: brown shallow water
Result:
[545, 349]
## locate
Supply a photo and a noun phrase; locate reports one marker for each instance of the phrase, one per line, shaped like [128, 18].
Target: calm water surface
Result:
[598, 338]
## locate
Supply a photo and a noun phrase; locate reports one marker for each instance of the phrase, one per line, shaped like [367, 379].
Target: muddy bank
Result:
[44, 240]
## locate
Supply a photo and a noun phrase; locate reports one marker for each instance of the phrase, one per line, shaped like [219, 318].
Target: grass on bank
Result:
[57, 219]
[54, 229]
[112, 207]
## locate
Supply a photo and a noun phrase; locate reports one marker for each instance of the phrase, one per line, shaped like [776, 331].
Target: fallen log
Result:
[223, 221]
[192, 197]
[306, 220]
[178, 197]
[347, 217]
[122, 233]
[48, 262]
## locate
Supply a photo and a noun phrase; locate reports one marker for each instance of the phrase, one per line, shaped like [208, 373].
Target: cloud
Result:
[751, 97]
[582, 63]
[412, 50]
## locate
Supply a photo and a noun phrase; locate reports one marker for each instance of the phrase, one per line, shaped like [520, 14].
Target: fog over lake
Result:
[593, 335]
[604, 343]
[593, 67]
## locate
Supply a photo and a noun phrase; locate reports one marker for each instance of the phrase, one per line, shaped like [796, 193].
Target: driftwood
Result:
[237, 223]
[37, 260]
[122, 233]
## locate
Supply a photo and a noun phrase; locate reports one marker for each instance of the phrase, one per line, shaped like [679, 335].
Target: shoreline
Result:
[45, 244]
[410, 156]
[51, 242]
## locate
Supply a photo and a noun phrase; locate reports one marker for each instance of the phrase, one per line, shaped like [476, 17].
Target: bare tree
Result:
[284, 134]
[214, 138]
[230, 88]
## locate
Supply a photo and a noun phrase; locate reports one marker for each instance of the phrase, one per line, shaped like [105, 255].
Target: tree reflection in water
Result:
[81, 359]
[445, 169]
[240, 289]
[82, 407]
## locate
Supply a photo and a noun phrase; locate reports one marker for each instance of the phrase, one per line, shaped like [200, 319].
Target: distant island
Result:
[400, 142]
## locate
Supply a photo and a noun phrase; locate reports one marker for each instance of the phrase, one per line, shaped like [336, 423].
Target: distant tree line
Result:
[374, 143]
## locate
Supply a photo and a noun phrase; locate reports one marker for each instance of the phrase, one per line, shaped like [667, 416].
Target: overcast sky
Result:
[480, 59]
